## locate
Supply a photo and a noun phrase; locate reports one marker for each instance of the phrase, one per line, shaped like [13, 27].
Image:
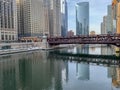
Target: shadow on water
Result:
[86, 58]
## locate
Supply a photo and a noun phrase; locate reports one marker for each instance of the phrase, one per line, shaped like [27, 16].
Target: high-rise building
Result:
[102, 28]
[116, 14]
[104, 25]
[55, 17]
[82, 18]
[109, 20]
[8, 20]
[64, 18]
[33, 17]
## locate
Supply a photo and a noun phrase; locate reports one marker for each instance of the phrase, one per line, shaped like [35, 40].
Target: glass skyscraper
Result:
[82, 18]
[109, 20]
[64, 18]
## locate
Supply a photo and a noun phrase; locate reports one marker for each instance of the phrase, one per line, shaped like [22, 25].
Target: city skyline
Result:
[98, 9]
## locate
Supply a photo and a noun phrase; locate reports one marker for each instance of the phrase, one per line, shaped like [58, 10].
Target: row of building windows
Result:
[6, 15]
[7, 37]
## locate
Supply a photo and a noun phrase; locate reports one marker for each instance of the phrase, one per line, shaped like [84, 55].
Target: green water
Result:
[41, 70]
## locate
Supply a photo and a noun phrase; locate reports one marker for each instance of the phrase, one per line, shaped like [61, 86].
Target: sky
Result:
[98, 9]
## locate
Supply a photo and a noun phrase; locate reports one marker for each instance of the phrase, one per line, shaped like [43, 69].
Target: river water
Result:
[43, 70]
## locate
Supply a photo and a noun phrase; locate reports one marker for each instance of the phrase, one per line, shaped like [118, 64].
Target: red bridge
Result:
[113, 39]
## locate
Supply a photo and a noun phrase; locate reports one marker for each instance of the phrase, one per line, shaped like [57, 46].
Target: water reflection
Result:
[82, 69]
[32, 72]
[39, 71]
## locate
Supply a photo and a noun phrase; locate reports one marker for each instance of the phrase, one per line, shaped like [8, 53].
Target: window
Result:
[12, 37]
[6, 37]
[9, 37]
[2, 37]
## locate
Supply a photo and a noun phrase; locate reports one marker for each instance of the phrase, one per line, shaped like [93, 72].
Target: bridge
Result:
[112, 39]
[108, 60]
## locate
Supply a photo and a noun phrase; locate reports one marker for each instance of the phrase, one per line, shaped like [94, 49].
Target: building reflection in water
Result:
[115, 76]
[36, 71]
[32, 72]
[82, 70]
[112, 72]
[92, 49]
[109, 50]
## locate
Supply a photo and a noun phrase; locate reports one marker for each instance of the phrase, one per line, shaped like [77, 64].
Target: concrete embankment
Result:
[12, 51]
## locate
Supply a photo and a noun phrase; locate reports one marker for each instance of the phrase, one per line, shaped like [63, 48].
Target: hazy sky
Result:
[98, 9]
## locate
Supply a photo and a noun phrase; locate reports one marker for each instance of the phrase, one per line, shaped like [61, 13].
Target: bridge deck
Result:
[86, 39]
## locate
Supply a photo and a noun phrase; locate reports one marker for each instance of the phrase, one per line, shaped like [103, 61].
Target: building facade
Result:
[92, 33]
[82, 18]
[33, 18]
[64, 18]
[70, 33]
[101, 27]
[8, 20]
[55, 17]
[104, 25]
[116, 14]
[109, 20]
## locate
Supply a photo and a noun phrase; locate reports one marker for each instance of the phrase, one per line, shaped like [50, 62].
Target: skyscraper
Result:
[8, 20]
[64, 18]
[104, 25]
[82, 18]
[32, 17]
[116, 14]
[109, 20]
[55, 18]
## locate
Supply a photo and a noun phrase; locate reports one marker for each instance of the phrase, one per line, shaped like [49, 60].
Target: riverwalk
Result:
[12, 51]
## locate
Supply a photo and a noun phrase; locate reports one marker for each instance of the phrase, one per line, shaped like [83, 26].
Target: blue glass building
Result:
[82, 18]
[64, 18]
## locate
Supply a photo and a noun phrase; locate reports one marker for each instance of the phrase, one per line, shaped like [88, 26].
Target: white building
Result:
[8, 20]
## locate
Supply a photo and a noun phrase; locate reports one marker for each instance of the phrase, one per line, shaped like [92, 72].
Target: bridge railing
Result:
[87, 39]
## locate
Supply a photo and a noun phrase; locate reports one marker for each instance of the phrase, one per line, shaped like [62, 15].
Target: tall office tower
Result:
[116, 14]
[102, 28]
[104, 25]
[82, 18]
[32, 17]
[55, 18]
[8, 20]
[109, 20]
[64, 18]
